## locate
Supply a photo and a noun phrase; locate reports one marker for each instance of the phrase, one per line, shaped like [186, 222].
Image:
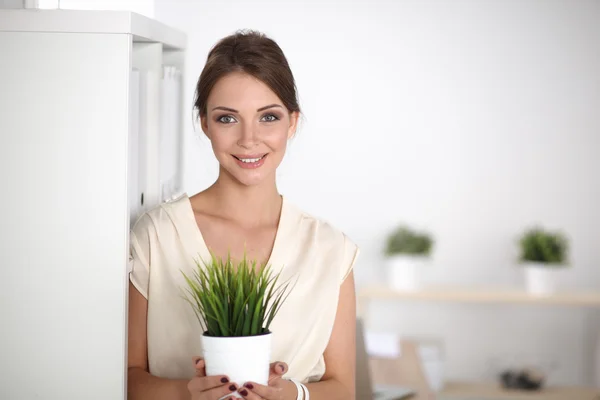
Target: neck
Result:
[248, 205]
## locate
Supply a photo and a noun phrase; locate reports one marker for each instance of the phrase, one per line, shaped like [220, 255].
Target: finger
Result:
[254, 391]
[248, 394]
[202, 384]
[221, 391]
[200, 367]
[277, 370]
[279, 367]
[196, 359]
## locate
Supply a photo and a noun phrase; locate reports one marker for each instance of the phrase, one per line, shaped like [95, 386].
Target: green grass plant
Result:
[235, 298]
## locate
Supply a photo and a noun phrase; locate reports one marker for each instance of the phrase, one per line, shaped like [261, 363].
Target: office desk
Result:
[406, 371]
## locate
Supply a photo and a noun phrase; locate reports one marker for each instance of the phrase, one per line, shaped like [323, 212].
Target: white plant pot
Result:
[541, 279]
[242, 359]
[404, 271]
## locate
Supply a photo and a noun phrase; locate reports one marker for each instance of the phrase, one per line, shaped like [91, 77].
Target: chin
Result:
[250, 183]
[247, 178]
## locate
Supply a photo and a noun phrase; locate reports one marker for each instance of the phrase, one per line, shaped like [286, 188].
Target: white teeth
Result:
[250, 160]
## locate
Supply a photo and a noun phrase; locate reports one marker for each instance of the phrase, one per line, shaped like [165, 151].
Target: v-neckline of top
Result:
[282, 230]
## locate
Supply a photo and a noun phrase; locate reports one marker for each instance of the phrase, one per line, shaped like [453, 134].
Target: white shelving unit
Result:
[89, 101]
[482, 295]
[490, 295]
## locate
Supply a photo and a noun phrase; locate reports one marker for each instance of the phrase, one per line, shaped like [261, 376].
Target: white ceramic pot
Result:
[404, 271]
[540, 279]
[242, 359]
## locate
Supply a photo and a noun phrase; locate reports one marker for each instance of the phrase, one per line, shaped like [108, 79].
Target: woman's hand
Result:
[203, 387]
[277, 389]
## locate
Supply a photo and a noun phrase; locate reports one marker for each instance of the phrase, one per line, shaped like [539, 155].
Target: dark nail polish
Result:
[224, 380]
[281, 367]
[249, 386]
[244, 392]
[198, 360]
[232, 388]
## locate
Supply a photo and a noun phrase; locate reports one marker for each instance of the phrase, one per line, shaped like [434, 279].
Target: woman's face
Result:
[248, 127]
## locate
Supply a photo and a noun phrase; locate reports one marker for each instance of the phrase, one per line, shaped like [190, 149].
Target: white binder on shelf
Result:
[134, 191]
[148, 141]
[171, 134]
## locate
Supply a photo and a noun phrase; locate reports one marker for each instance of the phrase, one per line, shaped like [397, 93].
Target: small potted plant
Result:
[542, 254]
[235, 303]
[407, 252]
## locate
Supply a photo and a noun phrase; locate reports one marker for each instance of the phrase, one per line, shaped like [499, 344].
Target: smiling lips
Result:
[250, 161]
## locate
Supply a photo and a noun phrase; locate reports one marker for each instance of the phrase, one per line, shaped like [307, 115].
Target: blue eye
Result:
[226, 119]
[270, 118]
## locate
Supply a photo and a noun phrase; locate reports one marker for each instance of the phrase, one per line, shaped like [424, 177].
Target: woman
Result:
[247, 104]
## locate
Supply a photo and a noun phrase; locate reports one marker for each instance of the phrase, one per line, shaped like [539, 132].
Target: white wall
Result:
[471, 119]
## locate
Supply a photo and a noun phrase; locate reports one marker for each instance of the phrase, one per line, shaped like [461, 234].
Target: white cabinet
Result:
[84, 111]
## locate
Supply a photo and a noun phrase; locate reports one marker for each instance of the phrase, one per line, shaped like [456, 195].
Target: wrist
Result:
[290, 392]
[298, 390]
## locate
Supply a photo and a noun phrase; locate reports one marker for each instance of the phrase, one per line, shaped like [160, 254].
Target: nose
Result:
[248, 136]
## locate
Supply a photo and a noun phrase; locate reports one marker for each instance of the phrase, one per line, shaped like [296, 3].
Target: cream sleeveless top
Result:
[166, 240]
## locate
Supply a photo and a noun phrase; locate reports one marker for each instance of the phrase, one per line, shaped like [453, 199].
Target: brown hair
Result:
[255, 54]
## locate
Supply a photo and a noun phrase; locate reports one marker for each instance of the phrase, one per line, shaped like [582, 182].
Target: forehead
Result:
[241, 91]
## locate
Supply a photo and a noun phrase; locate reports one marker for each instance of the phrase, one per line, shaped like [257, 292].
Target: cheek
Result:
[276, 138]
[223, 139]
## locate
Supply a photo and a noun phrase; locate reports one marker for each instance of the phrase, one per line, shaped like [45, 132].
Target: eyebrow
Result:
[236, 111]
